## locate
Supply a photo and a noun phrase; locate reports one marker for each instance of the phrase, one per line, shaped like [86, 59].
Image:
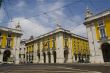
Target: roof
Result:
[97, 16]
[10, 30]
[56, 31]
[78, 36]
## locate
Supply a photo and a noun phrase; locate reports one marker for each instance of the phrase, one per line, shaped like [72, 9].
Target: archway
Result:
[79, 57]
[75, 55]
[106, 51]
[54, 56]
[49, 57]
[66, 55]
[44, 57]
[6, 55]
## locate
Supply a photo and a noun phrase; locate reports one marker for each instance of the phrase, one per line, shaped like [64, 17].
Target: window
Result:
[66, 40]
[19, 55]
[75, 56]
[53, 43]
[38, 44]
[100, 23]
[54, 37]
[102, 29]
[102, 32]
[0, 34]
[32, 48]
[8, 43]
[48, 43]
[9, 35]
[27, 49]
[24, 55]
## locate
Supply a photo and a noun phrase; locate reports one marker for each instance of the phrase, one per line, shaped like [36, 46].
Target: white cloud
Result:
[80, 30]
[75, 24]
[20, 4]
[29, 28]
[33, 27]
[58, 17]
[56, 5]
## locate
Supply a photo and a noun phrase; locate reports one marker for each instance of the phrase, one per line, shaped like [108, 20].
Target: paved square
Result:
[51, 68]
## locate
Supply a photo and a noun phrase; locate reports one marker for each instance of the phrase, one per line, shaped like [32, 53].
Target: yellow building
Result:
[98, 28]
[57, 46]
[9, 44]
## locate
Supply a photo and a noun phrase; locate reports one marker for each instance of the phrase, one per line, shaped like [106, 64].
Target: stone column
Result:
[59, 48]
[35, 53]
[52, 59]
[98, 51]
[91, 46]
[41, 57]
[41, 53]
[16, 49]
[95, 52]
[1, 56]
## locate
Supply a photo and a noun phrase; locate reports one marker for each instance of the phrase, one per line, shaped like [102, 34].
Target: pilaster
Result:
[59, 46]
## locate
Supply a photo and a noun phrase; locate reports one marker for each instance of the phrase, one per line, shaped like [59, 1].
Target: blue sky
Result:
[33, 20]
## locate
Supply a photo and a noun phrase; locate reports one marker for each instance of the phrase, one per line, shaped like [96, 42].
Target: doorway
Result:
[44, 57]
[106, 51]
[6, 55]
[54, 56]
[66, 55]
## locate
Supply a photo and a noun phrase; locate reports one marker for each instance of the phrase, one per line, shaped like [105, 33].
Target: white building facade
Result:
[98, 29]
[22, 51]
[10, 44]
[55, 47]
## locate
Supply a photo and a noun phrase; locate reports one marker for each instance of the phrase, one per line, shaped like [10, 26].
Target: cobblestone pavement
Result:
[52, 68]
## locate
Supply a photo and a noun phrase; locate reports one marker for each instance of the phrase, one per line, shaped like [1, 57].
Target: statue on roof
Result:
[58, 26]
[88, 13]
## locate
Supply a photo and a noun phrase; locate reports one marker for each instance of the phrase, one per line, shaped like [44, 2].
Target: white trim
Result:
[57, 31]
[105, 13]
[11, 30]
